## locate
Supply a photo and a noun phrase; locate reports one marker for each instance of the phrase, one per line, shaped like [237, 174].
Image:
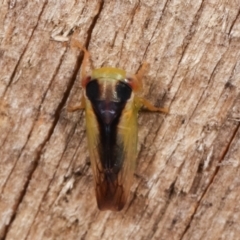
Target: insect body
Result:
[111, 106]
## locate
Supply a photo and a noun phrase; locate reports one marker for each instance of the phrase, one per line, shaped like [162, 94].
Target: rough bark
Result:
[187, 180]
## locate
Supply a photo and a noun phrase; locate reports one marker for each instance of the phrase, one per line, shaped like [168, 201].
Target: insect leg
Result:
[142, 102]
[86, 58]
[137, 78]
[145, 103]
[77, 107]
[83, 74]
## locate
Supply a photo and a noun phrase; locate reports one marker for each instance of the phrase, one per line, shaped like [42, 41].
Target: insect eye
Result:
[92, 90]
[133, 83]
[123, 91]
[128, 80]
[85, 81]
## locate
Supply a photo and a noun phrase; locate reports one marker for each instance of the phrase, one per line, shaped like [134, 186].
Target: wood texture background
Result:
[187, 181]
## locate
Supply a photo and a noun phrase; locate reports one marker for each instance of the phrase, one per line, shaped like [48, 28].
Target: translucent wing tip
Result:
[110, 196]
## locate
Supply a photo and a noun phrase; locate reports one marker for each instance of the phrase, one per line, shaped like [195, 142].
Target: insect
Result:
[111, 101]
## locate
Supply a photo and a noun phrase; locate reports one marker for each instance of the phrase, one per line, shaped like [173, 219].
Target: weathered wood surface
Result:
[187, 182]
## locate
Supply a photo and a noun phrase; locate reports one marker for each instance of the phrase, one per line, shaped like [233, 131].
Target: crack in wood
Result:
[24, 50]
[214, 175]
[57, 113]
[160, 212]
[94, 22]
[38, 154]
[185, 47]
[233, 23]
[157, 25]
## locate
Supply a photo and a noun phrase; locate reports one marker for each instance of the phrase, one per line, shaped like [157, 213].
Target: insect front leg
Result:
[77, 107]
[83, 74]
[137, 83]
[86, 58]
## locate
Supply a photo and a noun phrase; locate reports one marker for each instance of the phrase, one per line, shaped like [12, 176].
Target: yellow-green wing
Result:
[93, 140]
[128, 133]
[112, 192]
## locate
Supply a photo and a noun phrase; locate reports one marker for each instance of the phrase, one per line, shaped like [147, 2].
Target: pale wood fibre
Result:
[186, 184]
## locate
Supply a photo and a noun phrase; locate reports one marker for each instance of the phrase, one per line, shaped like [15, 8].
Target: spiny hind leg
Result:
[142, 102]
[149, 106]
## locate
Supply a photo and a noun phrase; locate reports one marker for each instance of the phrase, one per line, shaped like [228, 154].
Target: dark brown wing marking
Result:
[110, 194]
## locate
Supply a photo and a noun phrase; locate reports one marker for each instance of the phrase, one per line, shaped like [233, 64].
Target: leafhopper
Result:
[111, 101]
